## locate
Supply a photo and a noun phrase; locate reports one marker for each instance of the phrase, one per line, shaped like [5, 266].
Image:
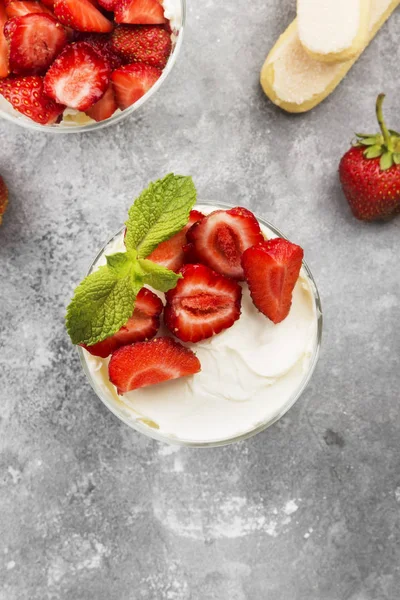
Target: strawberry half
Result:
[3, 198]
[34, 40]
[150, 363]
[140, 12]
[202, 304]
[132, 82]
[108, 5]
[102, 44]
[148, 44]
[19, 8]
[220, 239]
[105, 107]
[170, 254]
[79, 77]
[4, 52]
[143, 325]
[272, 269]
[26, 94]
[81, 15]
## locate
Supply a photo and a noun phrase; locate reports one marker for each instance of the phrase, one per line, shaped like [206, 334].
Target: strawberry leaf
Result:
[373, 152]
[386, 161]
[371, 141]
[396, 158]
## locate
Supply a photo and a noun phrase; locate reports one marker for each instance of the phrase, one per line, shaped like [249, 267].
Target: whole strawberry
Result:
[370, 173]
[3, 198]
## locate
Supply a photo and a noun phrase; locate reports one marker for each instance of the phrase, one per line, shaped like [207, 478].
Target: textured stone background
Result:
[309, 510]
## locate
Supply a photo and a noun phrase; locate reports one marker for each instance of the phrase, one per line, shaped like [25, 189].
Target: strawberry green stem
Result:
[385, 132]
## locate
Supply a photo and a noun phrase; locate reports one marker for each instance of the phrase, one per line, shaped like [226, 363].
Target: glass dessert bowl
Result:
[252, 373]
[114, 105]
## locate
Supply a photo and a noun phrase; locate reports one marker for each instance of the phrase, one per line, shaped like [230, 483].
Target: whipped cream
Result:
[250, 372]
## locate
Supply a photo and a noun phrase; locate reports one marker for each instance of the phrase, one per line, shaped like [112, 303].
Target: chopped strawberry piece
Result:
[150, 363]
[108, 5]
[102, 44]
[140, 12]
[19, 8]
[148, 44]
[202, 304]
[48, 3]
[35, 40]
[105, 107]
[4, 52]
[79, 77]
[143, 325]
[170, 254]
[26, 95]
[132, 82]
[220, 239]
[3, 198]
[81, 15]
[272, 269]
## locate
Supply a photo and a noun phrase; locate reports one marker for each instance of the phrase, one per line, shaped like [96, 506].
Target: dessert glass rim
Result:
[27, 123]
[168, 439]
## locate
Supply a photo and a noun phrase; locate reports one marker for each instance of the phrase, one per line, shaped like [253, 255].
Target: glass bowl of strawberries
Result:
[80, 65]
[198, 324]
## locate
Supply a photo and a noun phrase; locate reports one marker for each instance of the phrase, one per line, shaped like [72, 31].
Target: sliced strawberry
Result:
[108, 5]
[202, 304]
[170, 254]
[19, 8]
[132, 82]
[140, 12]
[105, 107]
[79, 77]
[35, 40]
[3, 198]
[48, 3]
[102, 44]
[272, 269]
[4, 52]
[81, 15]
[143, 325]
[148, 44]
[26, 94]
[220, 239]
[150, 363]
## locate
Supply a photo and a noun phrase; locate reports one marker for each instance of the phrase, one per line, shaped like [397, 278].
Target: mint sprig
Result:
[104, 301]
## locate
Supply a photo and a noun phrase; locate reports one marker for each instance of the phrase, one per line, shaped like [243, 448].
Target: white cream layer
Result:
[249, 375]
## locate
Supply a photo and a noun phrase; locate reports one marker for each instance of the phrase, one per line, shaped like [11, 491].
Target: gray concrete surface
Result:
[309, 510]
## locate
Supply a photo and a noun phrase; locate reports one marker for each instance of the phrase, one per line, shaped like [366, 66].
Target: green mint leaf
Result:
[158, 277]
[159, 212]
[386, 161]
[104, 301]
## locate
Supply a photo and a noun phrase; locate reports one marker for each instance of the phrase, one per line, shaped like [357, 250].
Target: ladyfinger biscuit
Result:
[333, 30]
[296, 82]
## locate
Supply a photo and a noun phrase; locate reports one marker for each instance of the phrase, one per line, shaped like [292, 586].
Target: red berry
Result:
[150, 363]
[81, 15]
[132, 82]
[34, 40]
[202, 304]
[143, 325]
[26, 94]
[170, 254]
[3, 198]
[79, 77]
[220, 239]
[105, 107]
[148, 44]
[139, 12]
[19, 8]
[4, 52]
[272, 269]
